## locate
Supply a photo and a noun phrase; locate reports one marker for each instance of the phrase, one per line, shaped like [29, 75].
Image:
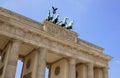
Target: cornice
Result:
[20, 18]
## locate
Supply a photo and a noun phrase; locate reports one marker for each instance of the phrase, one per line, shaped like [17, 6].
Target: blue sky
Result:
[96, 21]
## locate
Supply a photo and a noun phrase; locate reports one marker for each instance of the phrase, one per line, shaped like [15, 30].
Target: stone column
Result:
[13, 53]
[98, 73]
[81, 71]
[41, 63]
[105, 72]
[90, 70]
[72, 68]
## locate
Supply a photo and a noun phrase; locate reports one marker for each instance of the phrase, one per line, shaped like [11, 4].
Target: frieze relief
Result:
[89, 46]
[59, 32]
[39, 40]
[18, 18]
[29, 36]
[10, 29]
[26, 24]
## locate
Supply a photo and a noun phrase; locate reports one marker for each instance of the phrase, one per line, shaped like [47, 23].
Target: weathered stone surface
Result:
[49, 38]
[41, 63]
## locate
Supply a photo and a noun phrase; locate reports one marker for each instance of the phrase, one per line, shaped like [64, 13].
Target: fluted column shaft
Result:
[90, 70]
[72, 68]
[105, 72]
[13, 53]
[41, 63]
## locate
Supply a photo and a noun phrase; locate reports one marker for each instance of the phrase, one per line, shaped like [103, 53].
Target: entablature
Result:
[27, 30]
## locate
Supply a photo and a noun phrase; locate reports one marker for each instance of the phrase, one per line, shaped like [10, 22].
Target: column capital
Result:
[72, 60]
[105, 68]
[12, 58]
[15, 41]
[42, 49]
[90, 64]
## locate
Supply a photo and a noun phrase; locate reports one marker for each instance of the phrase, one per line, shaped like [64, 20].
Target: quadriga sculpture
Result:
[64, 22]
[55, 20]
[69, 26]
[49, 18]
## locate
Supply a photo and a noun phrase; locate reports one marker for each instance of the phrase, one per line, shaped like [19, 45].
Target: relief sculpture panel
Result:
[59, 32]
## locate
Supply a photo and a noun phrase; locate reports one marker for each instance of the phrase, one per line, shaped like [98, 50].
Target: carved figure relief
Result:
[57, 70]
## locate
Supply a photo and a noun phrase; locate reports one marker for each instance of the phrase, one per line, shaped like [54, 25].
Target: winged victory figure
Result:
[54, 10]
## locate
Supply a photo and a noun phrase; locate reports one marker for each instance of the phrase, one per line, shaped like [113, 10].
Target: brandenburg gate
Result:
[46, 45]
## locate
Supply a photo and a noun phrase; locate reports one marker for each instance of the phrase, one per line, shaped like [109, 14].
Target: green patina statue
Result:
[69, 26]
[64, 22]
[55, 20]
[54, 10]
[49, 18]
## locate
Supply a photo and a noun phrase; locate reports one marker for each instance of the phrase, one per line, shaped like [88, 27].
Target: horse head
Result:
[65, 20]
